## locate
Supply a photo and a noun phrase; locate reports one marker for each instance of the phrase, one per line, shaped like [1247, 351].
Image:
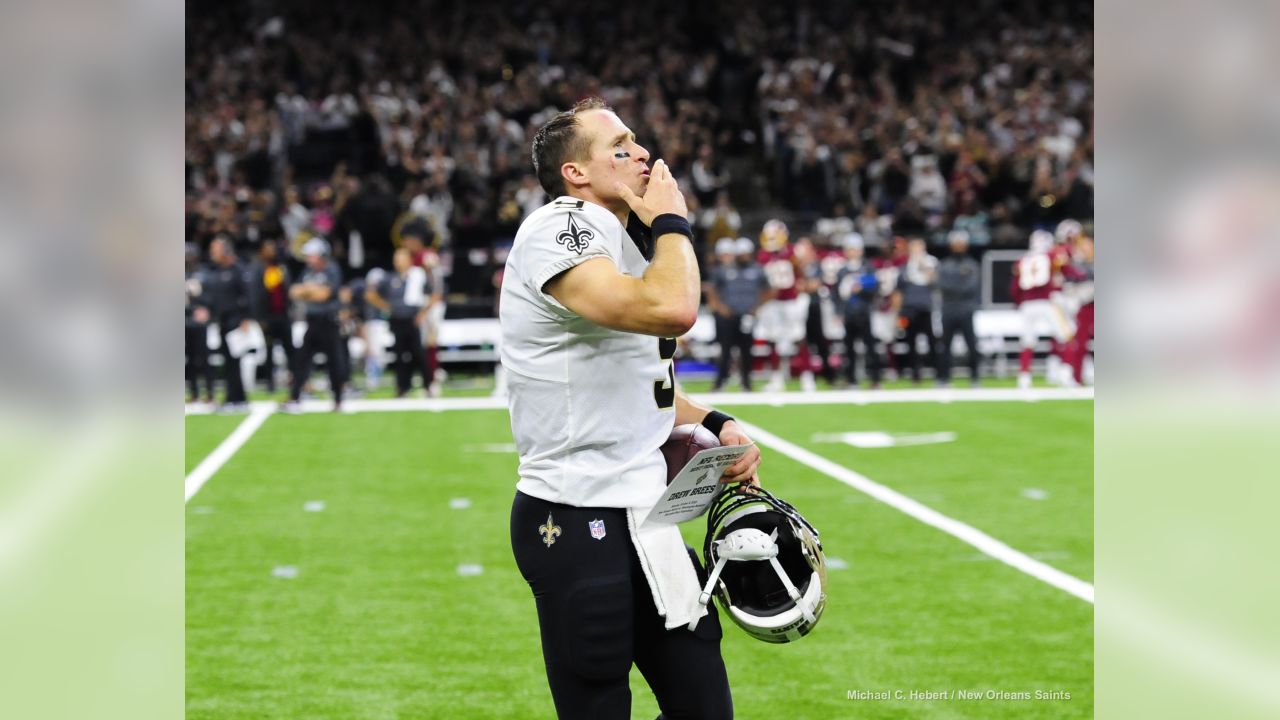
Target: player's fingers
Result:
[737, 473]
[659, 171]
[737, 469]
[743, 469]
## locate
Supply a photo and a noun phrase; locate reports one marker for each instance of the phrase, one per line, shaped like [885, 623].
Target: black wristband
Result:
[671, 223]
[714, 421]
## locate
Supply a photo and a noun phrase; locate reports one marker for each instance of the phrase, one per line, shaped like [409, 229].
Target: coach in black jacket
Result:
[227, 291]
[961, 284]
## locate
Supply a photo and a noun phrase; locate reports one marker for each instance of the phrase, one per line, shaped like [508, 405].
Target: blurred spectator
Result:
[530, 196]
[874, 229]
[960, 280]
[915, 286]
[269, 281]
[317, 292]
[719, 221]
[366, 212]
[927, 186]
[197, 328]
[735, 293]
[974, 225]
[831, 104]
[708, 177]
[857, 288]
[227, 288]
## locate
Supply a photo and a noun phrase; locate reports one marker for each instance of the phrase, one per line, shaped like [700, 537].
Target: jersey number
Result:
[664, 391]
[1033, 271]
[781, 274]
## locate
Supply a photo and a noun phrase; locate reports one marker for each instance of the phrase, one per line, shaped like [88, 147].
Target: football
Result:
[685, 442]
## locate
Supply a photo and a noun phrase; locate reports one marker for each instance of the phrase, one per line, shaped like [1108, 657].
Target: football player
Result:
[781, 321]
[812, 285]
[1079, 276]
[1033, 288]
[597, 286]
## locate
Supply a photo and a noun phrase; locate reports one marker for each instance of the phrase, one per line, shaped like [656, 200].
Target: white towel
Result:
[666, 565]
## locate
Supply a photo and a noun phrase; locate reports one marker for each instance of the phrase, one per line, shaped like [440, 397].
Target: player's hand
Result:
[662, 195]
[743, 471]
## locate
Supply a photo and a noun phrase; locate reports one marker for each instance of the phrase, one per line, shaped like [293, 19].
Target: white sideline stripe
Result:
[966, 533]
[826, 397]
[221, 454]
[874, 397]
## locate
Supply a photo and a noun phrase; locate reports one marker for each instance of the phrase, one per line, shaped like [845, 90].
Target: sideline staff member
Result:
[401, 295]
[317, 290]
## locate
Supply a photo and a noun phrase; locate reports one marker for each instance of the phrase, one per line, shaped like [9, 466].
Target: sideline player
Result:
[781, 321]
[1079, 277]
[1033, 288]
[589, 314]
[426, 257]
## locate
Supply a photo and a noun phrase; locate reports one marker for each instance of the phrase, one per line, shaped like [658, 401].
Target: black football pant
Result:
[278, 329]
[816, 336]
[730, 335]
[322, 337]
[410, 357]
[198, 367]
[231, 366]
[597, 617]
[857, 326]
[919, 322]
[963, 324]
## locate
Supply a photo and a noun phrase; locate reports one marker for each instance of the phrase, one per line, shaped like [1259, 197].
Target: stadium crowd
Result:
[892, 120]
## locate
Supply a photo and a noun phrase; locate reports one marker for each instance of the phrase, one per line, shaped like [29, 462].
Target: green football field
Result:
[359, 566]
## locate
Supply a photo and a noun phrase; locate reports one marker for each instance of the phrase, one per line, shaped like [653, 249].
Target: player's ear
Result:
[574, 174]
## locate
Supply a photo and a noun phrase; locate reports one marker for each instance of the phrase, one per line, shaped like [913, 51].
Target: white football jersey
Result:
[590, 407]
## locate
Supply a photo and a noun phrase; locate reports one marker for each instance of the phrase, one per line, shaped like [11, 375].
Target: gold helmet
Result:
[774, 235]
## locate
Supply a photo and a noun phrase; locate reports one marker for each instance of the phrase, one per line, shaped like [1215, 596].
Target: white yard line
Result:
[221, 454]
[966, 533]
[827, 397]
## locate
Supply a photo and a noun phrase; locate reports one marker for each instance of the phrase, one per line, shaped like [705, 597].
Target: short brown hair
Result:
[558, 142]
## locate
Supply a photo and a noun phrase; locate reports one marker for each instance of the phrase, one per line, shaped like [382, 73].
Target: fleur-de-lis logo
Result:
[549, 532]
[575, 238]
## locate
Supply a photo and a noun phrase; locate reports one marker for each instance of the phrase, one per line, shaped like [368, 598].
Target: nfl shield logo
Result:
[597, 529]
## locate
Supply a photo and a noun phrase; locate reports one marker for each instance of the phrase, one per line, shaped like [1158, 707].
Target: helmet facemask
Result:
[765, 564]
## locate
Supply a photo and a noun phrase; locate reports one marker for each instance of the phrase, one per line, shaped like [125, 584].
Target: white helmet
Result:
[724, 246]
[1041, 241]
[1068, 230]
[765, 565]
